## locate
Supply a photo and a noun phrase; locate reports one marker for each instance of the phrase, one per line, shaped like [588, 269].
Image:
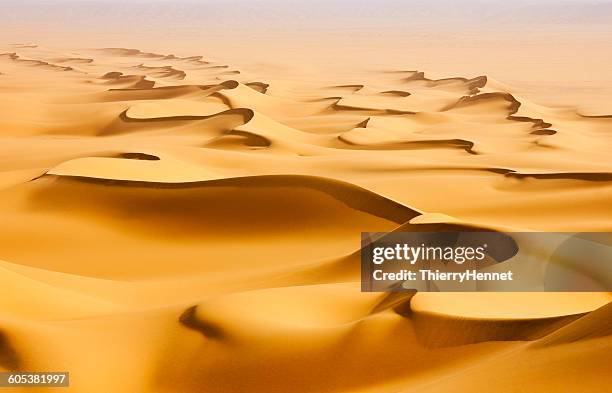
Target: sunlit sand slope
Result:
[173, 224]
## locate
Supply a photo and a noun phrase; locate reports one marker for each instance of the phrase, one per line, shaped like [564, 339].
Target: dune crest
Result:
[195, 225]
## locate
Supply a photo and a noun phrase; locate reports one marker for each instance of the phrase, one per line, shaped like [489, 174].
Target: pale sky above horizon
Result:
[314, 12]
[530, 42]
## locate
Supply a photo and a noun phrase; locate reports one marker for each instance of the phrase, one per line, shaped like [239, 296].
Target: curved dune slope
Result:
[192, 226]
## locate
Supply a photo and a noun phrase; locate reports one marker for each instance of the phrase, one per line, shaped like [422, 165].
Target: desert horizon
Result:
[184, 185]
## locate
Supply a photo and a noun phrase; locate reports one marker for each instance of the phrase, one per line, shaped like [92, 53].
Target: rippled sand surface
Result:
[176, 223]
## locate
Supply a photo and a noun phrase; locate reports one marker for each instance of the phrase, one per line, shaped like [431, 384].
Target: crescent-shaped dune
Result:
[171, 224]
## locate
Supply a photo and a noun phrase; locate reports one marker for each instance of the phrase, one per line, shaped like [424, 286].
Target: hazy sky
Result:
[319, 13]
[525, 41]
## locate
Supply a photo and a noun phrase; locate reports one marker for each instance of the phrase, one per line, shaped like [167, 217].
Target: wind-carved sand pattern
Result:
[176, 224]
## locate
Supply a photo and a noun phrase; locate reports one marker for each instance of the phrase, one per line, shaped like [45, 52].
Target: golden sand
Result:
[173, 224]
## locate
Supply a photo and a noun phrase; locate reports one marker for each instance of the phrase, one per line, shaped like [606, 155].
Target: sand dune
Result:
[196, 226]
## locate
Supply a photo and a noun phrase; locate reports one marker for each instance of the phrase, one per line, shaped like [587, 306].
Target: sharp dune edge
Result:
[173, 224]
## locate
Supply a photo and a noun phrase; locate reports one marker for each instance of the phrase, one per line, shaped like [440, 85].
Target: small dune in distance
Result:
[173, 222]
